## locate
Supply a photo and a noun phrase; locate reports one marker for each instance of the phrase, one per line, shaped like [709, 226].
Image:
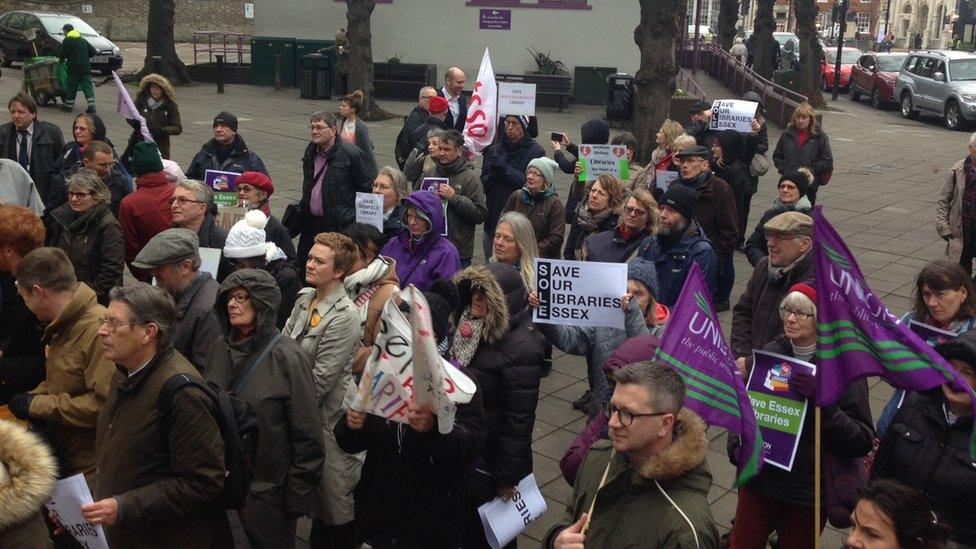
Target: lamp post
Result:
[840, 49]
[887, 15]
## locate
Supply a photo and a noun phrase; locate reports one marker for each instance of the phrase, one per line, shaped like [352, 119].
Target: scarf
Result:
[153, 104]
[777, 273]
[589, 221]
[969, 202]
[804, 353]
[466, 338]
[699, 179]
[529, 198]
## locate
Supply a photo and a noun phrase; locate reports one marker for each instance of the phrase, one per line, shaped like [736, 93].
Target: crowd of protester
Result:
[130, 383]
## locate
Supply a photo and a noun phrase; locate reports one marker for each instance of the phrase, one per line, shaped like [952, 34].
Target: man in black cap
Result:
[173, 257]
[701, 117]
[679, 241]
[715, 210]
[226, 152]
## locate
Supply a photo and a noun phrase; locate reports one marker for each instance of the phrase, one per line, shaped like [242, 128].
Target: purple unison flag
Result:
[693, 344]
[858, 337]
[127, 108]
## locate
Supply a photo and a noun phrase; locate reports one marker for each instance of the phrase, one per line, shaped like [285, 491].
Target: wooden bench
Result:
[402, 80]
[559, 87]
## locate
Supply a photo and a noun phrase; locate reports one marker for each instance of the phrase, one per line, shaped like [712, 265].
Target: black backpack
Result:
[402, 148]
[238, 428]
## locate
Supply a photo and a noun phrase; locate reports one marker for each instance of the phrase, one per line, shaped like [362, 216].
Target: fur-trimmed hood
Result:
[684, 454]
[27, 474]
[160, 81]
[505, 292]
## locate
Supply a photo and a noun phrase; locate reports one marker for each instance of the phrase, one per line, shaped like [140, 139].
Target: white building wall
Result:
[446, 33]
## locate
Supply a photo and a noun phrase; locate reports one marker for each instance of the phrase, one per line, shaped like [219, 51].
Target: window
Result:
[863, 21]
[16, 21]
[554, 4]
[822, 19]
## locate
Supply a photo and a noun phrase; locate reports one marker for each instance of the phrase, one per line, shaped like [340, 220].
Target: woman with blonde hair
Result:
[638, 219]
[662, 155]
[595, 214]
[515, 245]
[805, 145]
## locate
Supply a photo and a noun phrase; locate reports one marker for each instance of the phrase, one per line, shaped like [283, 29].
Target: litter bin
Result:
[316, 76]
[620, 97]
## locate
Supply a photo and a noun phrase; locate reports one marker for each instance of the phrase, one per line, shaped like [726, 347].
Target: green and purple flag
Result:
[858, 337]
[693, 344]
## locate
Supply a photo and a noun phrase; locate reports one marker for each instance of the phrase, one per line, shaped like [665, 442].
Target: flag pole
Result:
[603, 481]
[816, 477]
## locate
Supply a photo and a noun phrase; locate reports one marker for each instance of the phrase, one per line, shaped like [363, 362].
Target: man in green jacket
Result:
[656, 479]
[76, 52]
[464, 196]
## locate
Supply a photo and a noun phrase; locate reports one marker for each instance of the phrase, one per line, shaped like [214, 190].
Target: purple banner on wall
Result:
[495, 19]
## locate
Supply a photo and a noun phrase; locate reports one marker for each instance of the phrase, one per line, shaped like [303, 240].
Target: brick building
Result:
[863, 15]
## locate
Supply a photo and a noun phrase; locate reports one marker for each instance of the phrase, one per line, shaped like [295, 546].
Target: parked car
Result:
[25, 34]
[939, 82]
[848, 57]
[875, 75]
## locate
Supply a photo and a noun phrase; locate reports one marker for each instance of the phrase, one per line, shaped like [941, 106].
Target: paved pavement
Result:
[881, 200]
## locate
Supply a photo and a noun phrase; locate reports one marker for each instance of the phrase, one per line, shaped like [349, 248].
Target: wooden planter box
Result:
[550, 90]
[402, 80]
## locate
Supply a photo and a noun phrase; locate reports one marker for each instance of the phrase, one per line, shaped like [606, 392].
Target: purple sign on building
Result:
[495, 19]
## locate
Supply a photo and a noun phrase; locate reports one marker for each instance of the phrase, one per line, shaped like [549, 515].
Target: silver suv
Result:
[939, 82]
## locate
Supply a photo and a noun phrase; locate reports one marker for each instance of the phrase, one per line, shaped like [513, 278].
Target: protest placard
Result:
[504, 520]
[224, 185]
[664, 178]
[597, 160]
[66, 501]
[431, 184]
[369, 209]
[733, 114]
[932, 335]
[388, 379]
[210, 260]
[779, 411]
[516, 98]
[580, 293]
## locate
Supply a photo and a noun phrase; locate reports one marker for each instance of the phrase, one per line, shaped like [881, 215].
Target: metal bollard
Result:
[157, 64]
[220, 74]
[277, 73]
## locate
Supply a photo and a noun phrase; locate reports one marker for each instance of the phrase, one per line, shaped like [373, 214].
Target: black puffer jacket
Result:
[239, 160]
[920, 449]
[507, 368]
[290, 455]
[503, 171]
[404, 468]
[93, 242]
[847, 432]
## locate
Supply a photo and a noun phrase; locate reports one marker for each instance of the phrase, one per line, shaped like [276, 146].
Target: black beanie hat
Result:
[226, 119]
[682, 199]
[145, 158]
[798, 178]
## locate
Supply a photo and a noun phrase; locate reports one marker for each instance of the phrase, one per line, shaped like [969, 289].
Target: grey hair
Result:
[420, 94]
[527, 244]
[198, 188]
[972, 138]
[800, 303]
[324, 116]
[89, 181]
[399, 180]
[435, 134]
[149, 305]
[666, 387]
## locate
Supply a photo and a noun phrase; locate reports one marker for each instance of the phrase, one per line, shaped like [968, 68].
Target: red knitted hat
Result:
[257, 180]
[437, 105]
[805, 289]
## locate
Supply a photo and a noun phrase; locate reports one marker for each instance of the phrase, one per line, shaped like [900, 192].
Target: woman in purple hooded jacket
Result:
[422, 254]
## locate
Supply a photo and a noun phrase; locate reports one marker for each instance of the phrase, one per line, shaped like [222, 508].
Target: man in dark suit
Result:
[34, 144]
[457, 111]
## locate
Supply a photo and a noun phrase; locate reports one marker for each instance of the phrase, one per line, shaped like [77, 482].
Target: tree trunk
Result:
[763, 27]
[728, 16]
[160, 41]
[811, 53]
[360, 36]
[656, 36]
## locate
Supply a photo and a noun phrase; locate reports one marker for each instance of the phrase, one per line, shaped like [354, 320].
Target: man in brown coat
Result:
[66, 404]
[157, 478]
[755, 319]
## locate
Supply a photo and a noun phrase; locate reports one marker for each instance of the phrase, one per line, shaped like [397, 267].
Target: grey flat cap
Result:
[793, 223]
[167, 247]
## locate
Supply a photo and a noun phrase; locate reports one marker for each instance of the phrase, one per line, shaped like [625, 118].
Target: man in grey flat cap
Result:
[173, 257]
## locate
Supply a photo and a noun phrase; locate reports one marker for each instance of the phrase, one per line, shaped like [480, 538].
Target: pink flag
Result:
[127, 108]
[479, 127]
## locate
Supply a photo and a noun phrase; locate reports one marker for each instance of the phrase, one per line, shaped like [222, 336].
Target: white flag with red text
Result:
[479, 127]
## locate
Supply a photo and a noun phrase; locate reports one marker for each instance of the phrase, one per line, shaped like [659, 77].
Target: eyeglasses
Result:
[78, 195]
[637, 212]
[113, 325]
[626, 417]
[239, 298]
[183, 201]
[785, 312]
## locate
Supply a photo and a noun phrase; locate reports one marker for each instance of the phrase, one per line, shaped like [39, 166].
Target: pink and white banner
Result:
[479, 127]
[127, 108]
